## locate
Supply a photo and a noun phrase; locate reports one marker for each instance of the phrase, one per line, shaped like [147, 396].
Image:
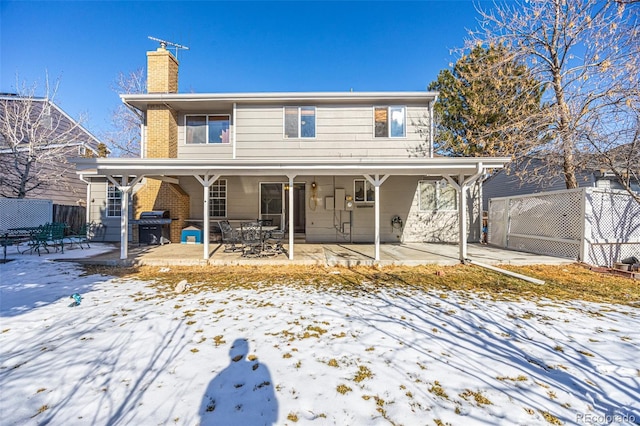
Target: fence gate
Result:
[593, 225]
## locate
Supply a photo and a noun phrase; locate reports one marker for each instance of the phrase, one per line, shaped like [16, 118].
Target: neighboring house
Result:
[327, 167]
[506, 183]
[36, 128]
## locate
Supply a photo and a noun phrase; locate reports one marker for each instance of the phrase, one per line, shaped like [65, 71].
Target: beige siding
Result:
[398, 196]
[199, 151]
[341, 131]
[98, 211]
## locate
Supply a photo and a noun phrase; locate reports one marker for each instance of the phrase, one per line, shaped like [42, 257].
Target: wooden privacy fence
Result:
[74, 216]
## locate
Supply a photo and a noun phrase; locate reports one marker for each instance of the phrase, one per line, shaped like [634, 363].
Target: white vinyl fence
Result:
[20, 213]
[596, 226]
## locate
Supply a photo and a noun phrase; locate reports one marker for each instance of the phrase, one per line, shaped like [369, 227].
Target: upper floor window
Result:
[114, 200]
[437, 195]
[300, 122]
[218, 198]
[390, 122]
[363, 191]
[207, 128]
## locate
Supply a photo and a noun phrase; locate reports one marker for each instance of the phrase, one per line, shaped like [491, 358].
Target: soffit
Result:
[204, 101]
[298, 167]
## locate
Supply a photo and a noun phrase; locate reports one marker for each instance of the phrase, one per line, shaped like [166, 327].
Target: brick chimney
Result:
[162, 72]
[162, 142]
[162, 122]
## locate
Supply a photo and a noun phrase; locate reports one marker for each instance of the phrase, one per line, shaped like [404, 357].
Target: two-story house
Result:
[326, 167]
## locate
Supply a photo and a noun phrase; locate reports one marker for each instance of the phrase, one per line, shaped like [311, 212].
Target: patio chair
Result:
[56, 237]
[265, 222]
[231, 238]
[38, 239]
[251, 234]
[273, 241]
[80, 237]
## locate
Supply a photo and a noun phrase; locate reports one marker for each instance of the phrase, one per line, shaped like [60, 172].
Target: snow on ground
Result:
[292, 354]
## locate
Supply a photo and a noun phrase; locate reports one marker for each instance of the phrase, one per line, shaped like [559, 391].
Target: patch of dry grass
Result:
[565, 282]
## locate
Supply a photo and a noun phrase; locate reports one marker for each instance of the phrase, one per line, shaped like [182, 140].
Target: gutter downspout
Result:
[86, 213]
[141, 116]
[431, 126]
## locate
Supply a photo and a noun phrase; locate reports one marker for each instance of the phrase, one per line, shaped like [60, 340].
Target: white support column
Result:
[462, 219]
[125, 187]
[291, 208]
[461, 187]
[206, 181]
[376, 181]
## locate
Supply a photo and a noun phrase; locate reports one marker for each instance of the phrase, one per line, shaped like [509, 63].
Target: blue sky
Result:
[237, 46]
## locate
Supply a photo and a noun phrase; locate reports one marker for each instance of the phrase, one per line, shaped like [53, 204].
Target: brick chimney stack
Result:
[162, 72]
[162, 142]
[162, 122]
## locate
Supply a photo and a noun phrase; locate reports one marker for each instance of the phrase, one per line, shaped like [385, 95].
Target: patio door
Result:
[274, 205]
[272, 202]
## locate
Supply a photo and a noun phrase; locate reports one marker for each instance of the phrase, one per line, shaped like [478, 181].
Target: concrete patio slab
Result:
[409, 254]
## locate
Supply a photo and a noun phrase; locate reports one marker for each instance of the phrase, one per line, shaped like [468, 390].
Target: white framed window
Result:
[114, 200]
[390, 122]
[299, 122]
[207, 129]
[437, 196]
[363, 191]
[218, 198]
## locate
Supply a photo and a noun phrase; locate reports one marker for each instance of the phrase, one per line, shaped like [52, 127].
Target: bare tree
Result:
[124, 136]
[586, 55]
[36, 137]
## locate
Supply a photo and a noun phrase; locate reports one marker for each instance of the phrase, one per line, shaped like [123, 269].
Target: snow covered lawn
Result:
[137, 352]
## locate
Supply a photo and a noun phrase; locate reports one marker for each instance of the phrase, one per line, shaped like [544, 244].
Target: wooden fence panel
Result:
[74, 216]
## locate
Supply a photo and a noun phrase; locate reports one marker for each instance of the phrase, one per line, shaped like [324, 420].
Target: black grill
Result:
[153, 227]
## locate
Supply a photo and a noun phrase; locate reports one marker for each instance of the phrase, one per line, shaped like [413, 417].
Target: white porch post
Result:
[461, 186]
[291, 226]
[376, 181]
[462, 218]
[206, 182]
[125, 187]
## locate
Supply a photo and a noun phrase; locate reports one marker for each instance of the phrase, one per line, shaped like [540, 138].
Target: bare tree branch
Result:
[124, 137]
[36, 138]
[586, 53]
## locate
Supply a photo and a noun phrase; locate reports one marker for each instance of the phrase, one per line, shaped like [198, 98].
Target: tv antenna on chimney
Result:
[164, 44]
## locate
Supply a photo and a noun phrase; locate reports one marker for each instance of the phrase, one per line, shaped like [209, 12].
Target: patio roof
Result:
[461, 173]
[439, 166]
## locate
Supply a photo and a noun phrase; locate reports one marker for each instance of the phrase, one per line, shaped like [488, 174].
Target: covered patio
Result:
[126, 174]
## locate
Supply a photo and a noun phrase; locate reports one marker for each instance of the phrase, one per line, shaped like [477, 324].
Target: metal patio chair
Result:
[80, 237]
[273, 241]
[39, 239]
[251, 233]
[231, 238]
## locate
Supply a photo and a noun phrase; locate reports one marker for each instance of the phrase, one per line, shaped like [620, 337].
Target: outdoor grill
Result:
[154, 227]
